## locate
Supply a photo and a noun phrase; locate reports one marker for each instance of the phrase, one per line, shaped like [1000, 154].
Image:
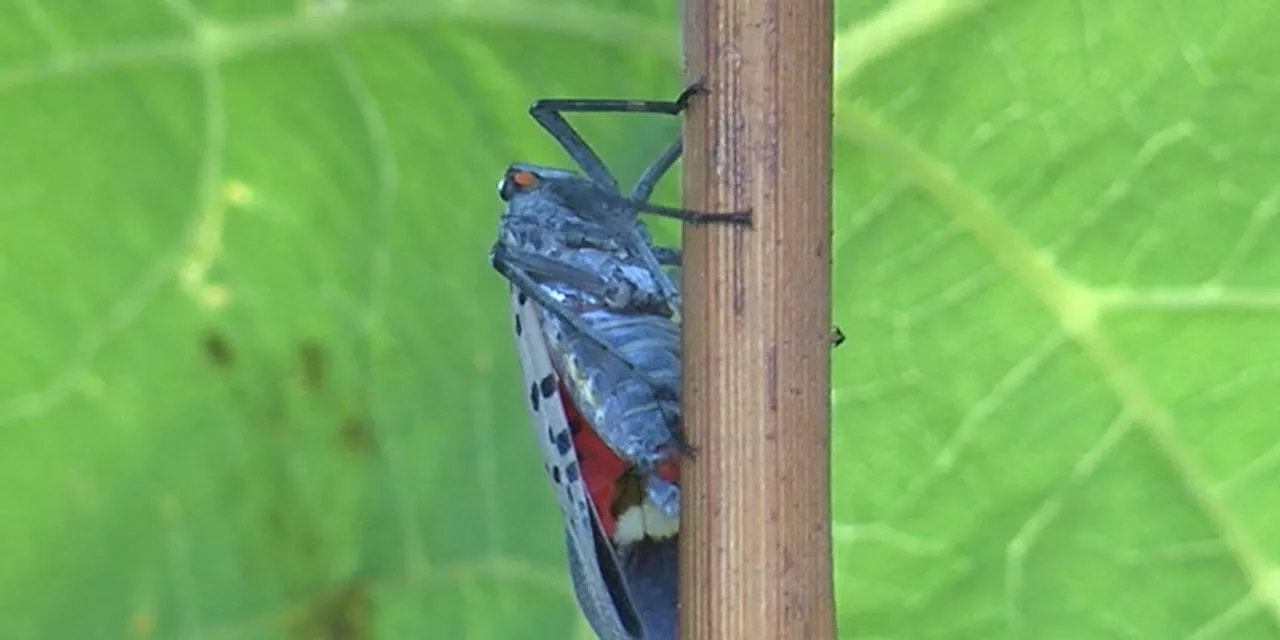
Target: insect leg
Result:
[548, 113]
[695, 217]
[583, 236]
[654, 257]
[517, 276]
[551, 108]
[668, 256]
[640, 195]
[649, 180]
[621, 295]
[654, 173]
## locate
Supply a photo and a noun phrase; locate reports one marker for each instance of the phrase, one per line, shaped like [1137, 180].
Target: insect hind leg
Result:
[548, 112]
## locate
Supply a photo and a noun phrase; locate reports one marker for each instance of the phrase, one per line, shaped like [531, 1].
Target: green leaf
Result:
[259, 377]
[1055, 264]
[259, 381]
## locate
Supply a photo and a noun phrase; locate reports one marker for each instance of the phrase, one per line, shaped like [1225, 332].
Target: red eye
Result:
[524, 179]
[516, 181]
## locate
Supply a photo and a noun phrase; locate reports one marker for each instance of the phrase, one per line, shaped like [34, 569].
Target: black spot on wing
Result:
[534, 397]
[519, 327]
[555, 475]
[521, 298]
[548, 386]
[564, 442]
[571, 471]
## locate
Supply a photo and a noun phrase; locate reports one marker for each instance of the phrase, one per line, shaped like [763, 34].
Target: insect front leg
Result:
[639, 198]
[527, 285]
[619, 293]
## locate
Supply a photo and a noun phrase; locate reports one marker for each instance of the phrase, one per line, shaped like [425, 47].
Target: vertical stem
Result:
[756, 515]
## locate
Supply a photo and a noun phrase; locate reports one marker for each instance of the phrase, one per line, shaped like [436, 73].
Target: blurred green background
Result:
[257, 380]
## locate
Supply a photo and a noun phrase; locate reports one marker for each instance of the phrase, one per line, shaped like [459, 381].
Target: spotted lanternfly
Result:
[625, 588]
[576, 246]
[597, 321]
[597, 325]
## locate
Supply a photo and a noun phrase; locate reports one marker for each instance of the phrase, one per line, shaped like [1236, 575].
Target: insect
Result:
[584, 472]
[597, 325]
[597, 318]
[576, 246]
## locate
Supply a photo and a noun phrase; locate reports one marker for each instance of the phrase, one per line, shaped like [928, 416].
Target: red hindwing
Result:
[601, 467]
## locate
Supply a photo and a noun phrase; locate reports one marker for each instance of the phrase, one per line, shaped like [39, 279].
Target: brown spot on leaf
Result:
[142, 624]
[341, 614]
[356, 434]
[314, 364]
[217, 349]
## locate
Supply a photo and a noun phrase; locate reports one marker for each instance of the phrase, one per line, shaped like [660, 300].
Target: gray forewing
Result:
[597, 579]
